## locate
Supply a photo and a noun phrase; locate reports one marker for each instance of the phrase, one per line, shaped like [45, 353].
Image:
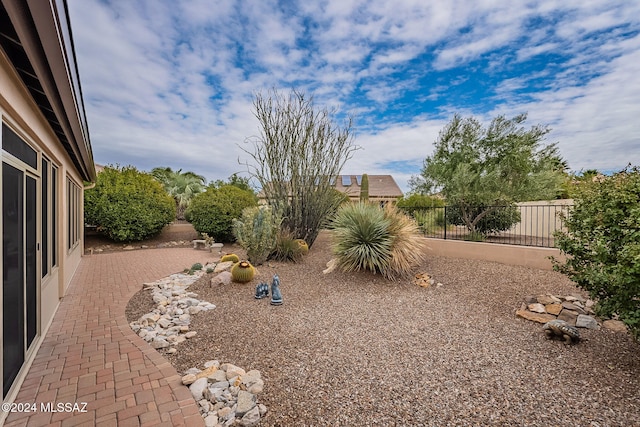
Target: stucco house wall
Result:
[35, 58]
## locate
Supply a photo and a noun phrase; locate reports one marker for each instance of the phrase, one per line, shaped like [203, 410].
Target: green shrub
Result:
[474, 237]
[256, 232]
[602, 244]
[128, 205]
[213, 211]
[500, 218]
[287, 247]
[429, 220]
[419, 201]
[380, 240]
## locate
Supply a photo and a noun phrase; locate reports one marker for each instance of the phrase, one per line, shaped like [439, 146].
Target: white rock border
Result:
[226, 394]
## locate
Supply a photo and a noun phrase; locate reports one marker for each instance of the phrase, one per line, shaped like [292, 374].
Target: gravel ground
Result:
[357, 350]
[176, 231]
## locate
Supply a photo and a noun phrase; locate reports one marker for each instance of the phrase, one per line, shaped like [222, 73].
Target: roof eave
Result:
[45, 35]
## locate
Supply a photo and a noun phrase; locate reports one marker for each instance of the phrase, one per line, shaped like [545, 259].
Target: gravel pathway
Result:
[355, 349]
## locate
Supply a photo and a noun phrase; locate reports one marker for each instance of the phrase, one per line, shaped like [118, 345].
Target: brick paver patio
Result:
[90, 354]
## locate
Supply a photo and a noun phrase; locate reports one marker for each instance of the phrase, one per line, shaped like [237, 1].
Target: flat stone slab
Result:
[535, 317]
[554, 308]
[588, 322]
[615, 325]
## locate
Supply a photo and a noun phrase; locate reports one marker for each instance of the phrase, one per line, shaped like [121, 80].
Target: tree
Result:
[602, 241]
[296, 157]
[128, 205]
[487, 168]
[235, 180]
[182, 186]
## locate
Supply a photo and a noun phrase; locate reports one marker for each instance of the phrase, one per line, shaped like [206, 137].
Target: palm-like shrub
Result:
[182, 186]
[380, 240]
[256, 232]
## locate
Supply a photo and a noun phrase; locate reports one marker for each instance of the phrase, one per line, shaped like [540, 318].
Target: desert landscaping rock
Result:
[251, 418]
[197, 388]
[545, 299]
[537, 308]
[220, 390]
[223, 266]
[615, 325]
[224, 278]
[168, 324]
[568, 316]
[554, 308]
[189, 379]
[246, 402]
[535, 317]
[584, 321]
[569, 308]
[226, 403]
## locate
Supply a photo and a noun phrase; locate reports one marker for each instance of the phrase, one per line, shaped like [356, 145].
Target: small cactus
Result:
[304, 248]
[196, 267]
[242, 272]
[230, 257]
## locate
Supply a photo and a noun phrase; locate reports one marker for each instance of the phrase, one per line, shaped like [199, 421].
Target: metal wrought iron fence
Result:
[525, 224]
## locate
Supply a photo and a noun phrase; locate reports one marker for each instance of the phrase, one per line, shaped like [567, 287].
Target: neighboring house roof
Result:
[36, 37]
[380, 186]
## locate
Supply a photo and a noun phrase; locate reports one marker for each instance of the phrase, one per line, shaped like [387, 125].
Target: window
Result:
[49, 189]
[14, 145]
[73, 214]
[44, 189]
[54, 216]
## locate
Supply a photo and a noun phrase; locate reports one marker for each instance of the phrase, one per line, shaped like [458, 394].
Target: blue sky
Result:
[171, 83]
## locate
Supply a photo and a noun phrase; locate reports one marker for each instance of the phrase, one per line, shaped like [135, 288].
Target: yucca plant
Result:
[362, 240]
[408, 246]
[380, 240]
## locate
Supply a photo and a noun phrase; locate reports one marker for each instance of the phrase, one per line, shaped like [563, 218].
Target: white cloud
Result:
[169, 83]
